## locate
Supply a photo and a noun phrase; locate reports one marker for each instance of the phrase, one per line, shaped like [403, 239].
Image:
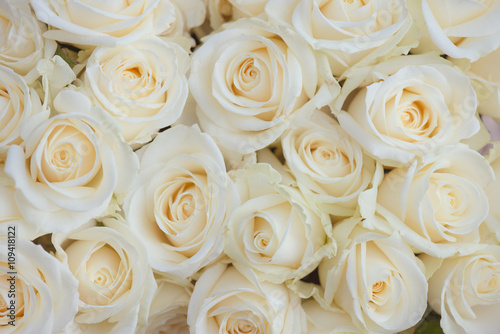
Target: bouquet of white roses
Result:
[249, 166]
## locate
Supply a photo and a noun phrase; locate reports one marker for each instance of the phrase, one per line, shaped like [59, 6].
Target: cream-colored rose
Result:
[466, 292]
[142, 85]
[440, 204]
[459, 29]
[376, 279]
[69, 166]
[328, 164]
[328, 321]
[493, 193]
[115, 283]
[37, 293]
[354, 32]
[103, 23]
[181, 201]
[275, 231]
[21, 42]
[406, 107]
[168, 312]
[18, 103]
[231, 299]
[223, 11]
[253, 79]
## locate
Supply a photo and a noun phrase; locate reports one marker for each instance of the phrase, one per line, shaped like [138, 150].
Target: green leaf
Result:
[64, 54]
[429, 327]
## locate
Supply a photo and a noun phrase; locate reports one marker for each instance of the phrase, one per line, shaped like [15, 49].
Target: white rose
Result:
[38, 293]
[69, 167]
[328, 164]
[328, 321]
[231, 299]
[350, 32]
[376, 279]
[168, 312]
[103, 23]
[251, 80]
[222, 11]
[115, 283]
[492, 191]
[441, 203]
[142, 85]
[460, 29]
[275, 231]
[21, 44]
[18, 103]
[181, 201]
[466, 292]
[406, 107]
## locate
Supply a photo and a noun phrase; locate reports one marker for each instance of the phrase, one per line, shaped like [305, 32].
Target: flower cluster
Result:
[249, 166]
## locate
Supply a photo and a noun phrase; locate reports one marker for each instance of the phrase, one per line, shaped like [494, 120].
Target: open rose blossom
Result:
[45, 293]
[376, 279]
[329, 165]
[103, 23]
[350, 32]
[142, 85]
[441, 203]
[251, 80]
[328, 321]
[231, 299]
[115, 283]
[181, 201]
[69, 166]
[466, 292]
[406, 107]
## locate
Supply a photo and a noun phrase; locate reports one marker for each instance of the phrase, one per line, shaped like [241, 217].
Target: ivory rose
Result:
[466, 292]
[142, 85]
[18, 103]
[115, 283]
[376, 279]
[406, 107]
[168, 312]
[328, 164]
[328, 321]
[222, 11]
[46, 296]
[459, 29]
[351, 33]
[21, 42]
[275, 231]
[103, 23]
[231, 299]
[441, 203]
[253, 79]
[181, 200]
[69, 166]
[492, 191]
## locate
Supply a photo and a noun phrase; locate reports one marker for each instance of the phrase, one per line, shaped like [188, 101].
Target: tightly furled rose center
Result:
[5, 287]
[69, 154]
[484, 281]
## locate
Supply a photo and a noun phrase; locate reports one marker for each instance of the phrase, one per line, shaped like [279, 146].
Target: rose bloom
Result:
[181, 201]
[103, 23]
[328, 321]
[466, 291]
[349, 32]
[222, 11]
[21, 42]
[406, 107]
[115, 283]
[46, 297]
[251, 80]
[460, 29]
[376, 279]
[328, 164]
[492, 191]
[231, 299]
[275, 231]
[168, 312]
[441, 203]
[69, 166]
[18, 103]
[142, 85]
